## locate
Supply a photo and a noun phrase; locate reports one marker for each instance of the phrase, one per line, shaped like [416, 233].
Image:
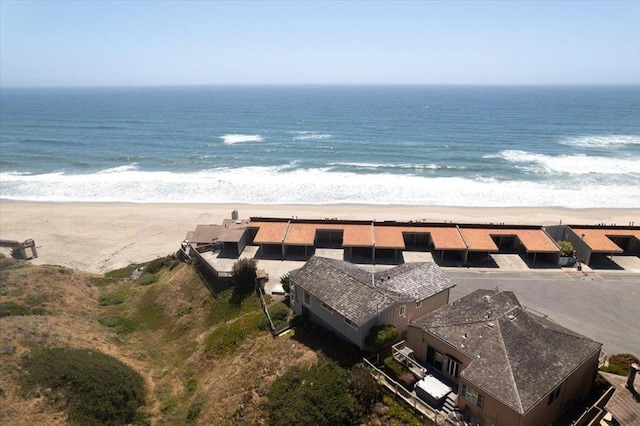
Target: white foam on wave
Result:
[238, 138]
[373, 166]
[305, 135]
[602, 141]
[579, 164]
[282, 185]
[119, 169]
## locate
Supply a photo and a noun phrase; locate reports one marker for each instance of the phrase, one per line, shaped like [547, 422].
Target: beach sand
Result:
[99, 237]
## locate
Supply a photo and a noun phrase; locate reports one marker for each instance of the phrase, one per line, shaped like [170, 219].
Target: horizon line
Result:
[230, 85]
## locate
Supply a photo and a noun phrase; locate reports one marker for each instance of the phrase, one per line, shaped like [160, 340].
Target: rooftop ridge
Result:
[510, 369]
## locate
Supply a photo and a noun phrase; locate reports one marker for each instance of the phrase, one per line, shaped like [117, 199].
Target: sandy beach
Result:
[99, 237]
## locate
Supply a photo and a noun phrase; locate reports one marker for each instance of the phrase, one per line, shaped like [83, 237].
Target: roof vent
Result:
[491, 324]
[511, 317]
[464, 336]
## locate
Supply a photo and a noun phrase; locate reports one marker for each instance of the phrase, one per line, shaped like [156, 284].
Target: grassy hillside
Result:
[204, 355]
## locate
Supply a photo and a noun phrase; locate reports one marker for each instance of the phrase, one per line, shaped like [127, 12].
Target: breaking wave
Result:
[236, 138]
[601, 141]
[579, 164]
[308, 135]
[282, 185]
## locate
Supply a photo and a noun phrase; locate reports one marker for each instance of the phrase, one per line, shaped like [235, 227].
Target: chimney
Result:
[633, 369]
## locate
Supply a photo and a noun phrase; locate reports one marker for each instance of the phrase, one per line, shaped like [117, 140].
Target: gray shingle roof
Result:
[359, 295]
[518, 357]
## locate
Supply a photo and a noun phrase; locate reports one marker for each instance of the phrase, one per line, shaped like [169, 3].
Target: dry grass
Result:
[171, 319]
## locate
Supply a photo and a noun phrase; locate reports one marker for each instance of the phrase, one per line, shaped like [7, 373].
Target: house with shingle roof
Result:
[350, 300]
[512, 367]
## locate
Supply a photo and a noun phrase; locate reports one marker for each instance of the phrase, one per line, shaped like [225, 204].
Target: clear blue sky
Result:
[117, 43]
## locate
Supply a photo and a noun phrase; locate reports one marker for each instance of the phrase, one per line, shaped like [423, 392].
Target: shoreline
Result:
[101, 236]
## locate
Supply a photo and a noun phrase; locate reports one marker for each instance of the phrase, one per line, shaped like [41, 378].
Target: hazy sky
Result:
[117, 43]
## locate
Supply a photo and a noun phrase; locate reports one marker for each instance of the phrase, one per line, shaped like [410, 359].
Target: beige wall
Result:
[575, 388]
[494, 412]
[417, 339]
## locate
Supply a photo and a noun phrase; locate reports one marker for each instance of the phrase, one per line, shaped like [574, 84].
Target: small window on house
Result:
[327, 307]
[307, 298]
[554, 395]
[292, 293]
[453, 367]
[402, 310]
[434, 357]
[471, 395]
[418, 304]
[351, 323]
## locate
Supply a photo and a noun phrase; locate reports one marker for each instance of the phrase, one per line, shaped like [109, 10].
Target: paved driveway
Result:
[604, 306]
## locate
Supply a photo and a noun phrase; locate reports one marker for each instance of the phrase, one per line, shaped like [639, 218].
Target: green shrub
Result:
[119, 323]
[381, 335]
[114, 298]
[147, 278]
[168, 405]
[225, 307]
[398, 411]
[393, 368]
[566, 248]
[279, 314]
[319, 395]
[97, 389]
[123, 273]
[620, 364]
[227, 337]
[156, 265]
[10, 309]
[364, 387]
[285, 280]
[193, 411]
[244, 273]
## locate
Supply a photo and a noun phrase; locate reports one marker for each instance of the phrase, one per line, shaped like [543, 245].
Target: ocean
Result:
[574, 146]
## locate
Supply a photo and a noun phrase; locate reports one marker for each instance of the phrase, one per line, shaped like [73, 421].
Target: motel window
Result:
[327, 307]
[434, 357]
[307, 298]
[351, 323]
[453, 367]
[402, 309]
[471, 395]
[554, 395]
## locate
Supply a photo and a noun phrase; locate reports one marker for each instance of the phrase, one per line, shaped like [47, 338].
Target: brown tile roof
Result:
[622, 405]
[206, 234]
[269, 232]
[389, 237]
[479, 239]
[446, 238]
[598, 239]
[443, 238]
[534, 240]
[358, 236]
[304, 234]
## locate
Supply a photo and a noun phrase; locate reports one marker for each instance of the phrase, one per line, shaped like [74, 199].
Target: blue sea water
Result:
[422, 145]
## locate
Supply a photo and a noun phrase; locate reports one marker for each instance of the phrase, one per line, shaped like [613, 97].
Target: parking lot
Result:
[604, 306]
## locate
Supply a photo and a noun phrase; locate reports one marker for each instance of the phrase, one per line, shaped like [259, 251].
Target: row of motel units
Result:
[380, 241]
[294, 238]
[593, 242]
